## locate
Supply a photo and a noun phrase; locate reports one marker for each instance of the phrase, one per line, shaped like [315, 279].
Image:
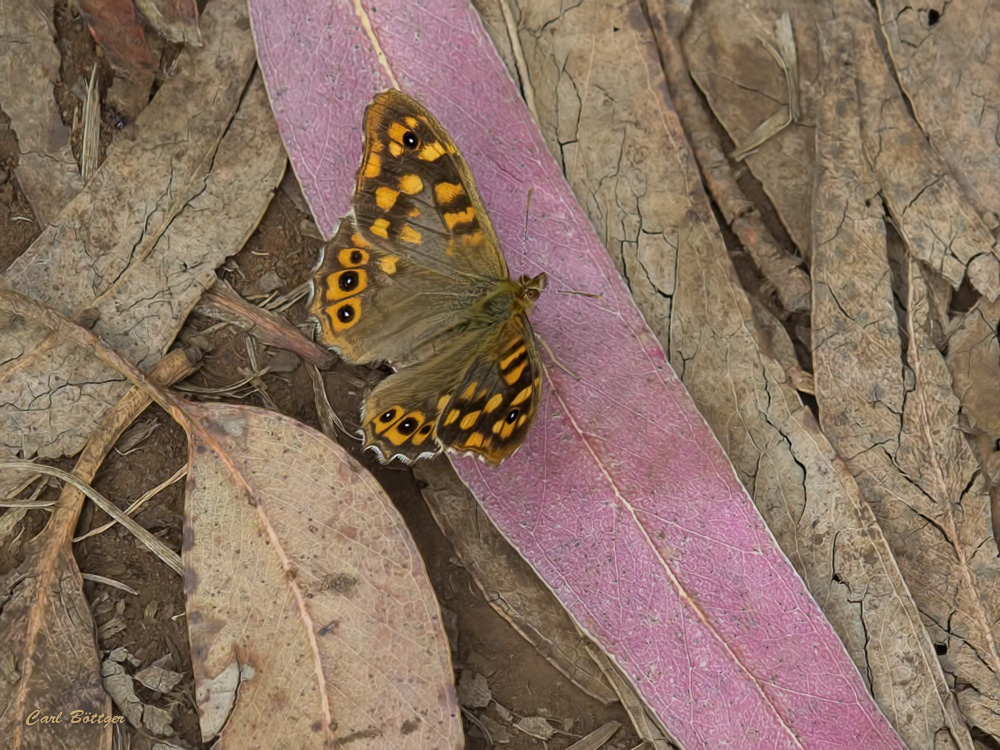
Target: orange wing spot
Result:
[449, 249]
[452, 416]
[385, 197]
[469, 392]
[344, 315]
[522, 396]
[505, 432]
[468, 420]
[396, 149]
[345, 284]
[373, 166]
[422, 434]
[380, 228]
[431, 152]
[376, 145]
[451, 148]
[475, 440]
[447, 192]
[497, 426]
[360, 241]
[522, 420]
[493, 403]
[514, 375]
[388, 264]
[352, 257]
[410, 235]
[505, 362]
[411, 122]
[411, 184]
[413, 213]
[481, 395]
[459, 217]
[472, 238]
[443, 401]
[396, 131]
[397, 436]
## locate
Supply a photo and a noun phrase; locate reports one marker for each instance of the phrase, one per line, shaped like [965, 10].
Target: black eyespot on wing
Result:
[345, 314]
[388, 415]
[407, 426]
[426, 429]
[356, 257]
[348, 281]
[410, 139]
[512, 415]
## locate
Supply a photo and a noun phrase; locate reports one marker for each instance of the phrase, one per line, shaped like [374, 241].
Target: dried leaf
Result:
[29, 67]
[946, 61]
[177, 20]
[474, 690]
[508, 583]
[633, 517]
[897, 427]
[141, 242]
[115, 26]
[46, 630]
[298, 566]
[158, 678]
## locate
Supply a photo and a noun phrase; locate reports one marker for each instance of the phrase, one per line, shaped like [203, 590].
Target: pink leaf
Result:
[621, 498]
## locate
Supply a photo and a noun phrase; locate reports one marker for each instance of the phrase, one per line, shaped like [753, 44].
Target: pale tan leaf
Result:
[685, 285]
[947, 60]
[141, 242]
[508, 583]
[29, 67]
[974, 361]
[299, 567]
[926, 200]
[897, 426]
[48, 657]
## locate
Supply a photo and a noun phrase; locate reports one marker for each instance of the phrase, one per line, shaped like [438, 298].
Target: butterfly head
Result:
[529, 288]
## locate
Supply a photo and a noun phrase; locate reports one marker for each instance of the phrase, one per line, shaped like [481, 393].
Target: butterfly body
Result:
[414, 277]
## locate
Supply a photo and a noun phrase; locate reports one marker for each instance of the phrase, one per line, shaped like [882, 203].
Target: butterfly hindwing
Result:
[493, 408]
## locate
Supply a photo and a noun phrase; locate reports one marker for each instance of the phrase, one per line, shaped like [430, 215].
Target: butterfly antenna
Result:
[524, 234]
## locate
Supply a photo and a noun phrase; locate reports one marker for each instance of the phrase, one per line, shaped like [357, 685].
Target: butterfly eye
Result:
[410, 139]
[407, 426]
[512, 415]
[388, 415]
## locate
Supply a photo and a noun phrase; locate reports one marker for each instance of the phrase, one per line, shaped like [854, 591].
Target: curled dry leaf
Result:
[621, 498]
[141, 242]
[177, 20]
[298, 566]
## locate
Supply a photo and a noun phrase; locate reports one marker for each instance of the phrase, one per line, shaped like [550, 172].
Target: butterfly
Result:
[414, 277]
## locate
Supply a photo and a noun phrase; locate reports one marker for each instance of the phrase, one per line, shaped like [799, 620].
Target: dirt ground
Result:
[278, 257]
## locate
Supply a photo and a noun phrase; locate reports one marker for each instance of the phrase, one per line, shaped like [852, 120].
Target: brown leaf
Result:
[508, 583]
[48, 656]
[897, 427]
[947, 63]
[299, 568]
[177, 20]
[46, 169]
[141, 242]
[115, 26]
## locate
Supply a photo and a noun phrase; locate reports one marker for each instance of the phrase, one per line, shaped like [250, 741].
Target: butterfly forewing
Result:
[415, 193]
